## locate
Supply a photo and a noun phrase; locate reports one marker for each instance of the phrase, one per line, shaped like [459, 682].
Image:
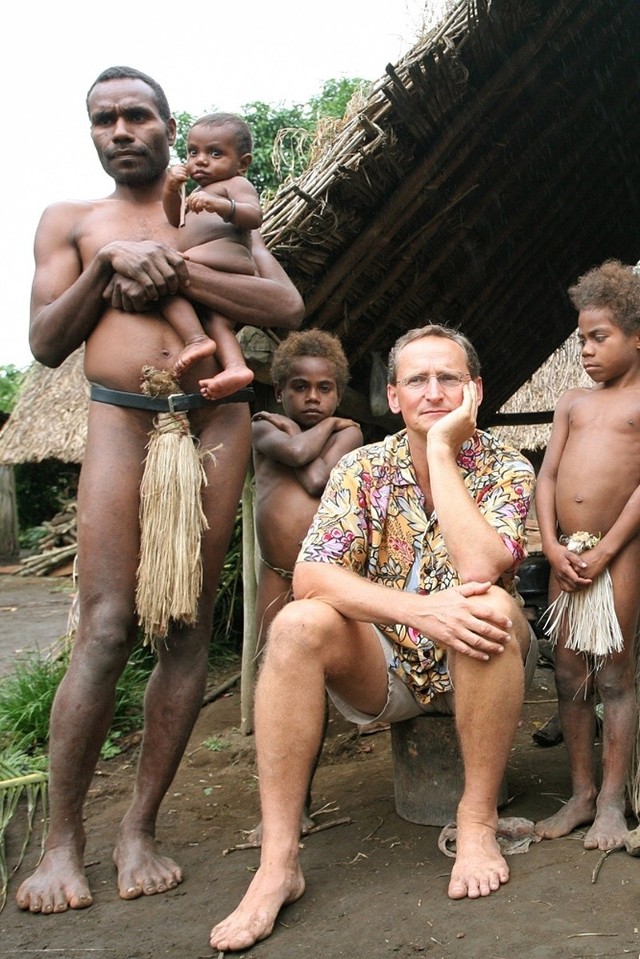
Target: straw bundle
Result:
[586, 620]
[172, 521]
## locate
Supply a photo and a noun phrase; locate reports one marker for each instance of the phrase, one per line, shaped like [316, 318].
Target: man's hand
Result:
[458, 425]
[469, 626]
[153, 270]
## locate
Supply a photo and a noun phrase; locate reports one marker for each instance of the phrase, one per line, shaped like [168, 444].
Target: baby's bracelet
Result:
[232, 211]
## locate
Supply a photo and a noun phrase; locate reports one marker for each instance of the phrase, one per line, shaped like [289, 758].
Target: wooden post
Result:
[249, 634]
[9, 546]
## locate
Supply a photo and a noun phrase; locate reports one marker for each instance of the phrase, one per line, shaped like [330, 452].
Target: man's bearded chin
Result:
[136, 177]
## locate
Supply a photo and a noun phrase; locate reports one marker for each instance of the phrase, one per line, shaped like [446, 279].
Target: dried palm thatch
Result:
[50, 418]
[561, 372]
[486, 170]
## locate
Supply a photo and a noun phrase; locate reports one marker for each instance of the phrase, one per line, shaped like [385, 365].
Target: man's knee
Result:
[303, 627]
[107, 628]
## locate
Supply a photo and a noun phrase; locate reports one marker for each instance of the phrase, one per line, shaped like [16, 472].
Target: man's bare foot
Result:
[609, 829]
[255, 917]
[480, 868]
[578, 811]
[226, 382]
[193, 351]
[142, 871]
[58, 884]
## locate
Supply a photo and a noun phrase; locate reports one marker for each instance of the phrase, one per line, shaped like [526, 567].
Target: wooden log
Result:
[9, 546]
[249, 633]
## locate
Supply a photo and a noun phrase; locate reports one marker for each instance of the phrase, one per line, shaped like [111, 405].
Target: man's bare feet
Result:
[578, 811]
[609, 828]
[226, 382]
[193, 351]
[480, 868]
[255, 917]
[58, 884]
[142, 871]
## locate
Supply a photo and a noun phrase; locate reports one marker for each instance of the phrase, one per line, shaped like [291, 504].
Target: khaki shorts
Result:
[402, 704]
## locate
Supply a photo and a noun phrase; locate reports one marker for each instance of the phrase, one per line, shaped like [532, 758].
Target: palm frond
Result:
[20, 776]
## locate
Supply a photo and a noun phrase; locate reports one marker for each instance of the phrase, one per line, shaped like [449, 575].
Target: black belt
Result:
[174, 403]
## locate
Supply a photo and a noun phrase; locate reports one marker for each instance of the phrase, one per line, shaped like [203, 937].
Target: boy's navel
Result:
[578, 498]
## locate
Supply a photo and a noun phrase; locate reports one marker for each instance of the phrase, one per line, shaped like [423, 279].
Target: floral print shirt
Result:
[372, 520]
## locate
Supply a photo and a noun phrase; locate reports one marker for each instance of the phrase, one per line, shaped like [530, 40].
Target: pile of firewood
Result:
[58, 546]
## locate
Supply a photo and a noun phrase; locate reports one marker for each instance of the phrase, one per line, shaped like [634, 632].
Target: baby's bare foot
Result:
[578, 811]
[254, 919]
[58, 884]
[226, 382]
[196, 350]
[142, 871]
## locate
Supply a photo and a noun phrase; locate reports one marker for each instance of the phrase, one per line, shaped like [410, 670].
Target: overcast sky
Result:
[277, 52]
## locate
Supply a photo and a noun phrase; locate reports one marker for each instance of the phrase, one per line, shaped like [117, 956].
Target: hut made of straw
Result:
[482, 174]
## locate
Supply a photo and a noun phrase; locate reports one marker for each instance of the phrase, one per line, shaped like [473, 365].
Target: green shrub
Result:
[26, 697]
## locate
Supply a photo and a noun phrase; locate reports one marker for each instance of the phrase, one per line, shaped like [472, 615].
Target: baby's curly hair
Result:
[613, 286]
[310, 343]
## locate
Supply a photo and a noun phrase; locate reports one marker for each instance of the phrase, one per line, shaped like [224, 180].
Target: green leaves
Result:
[21, 777]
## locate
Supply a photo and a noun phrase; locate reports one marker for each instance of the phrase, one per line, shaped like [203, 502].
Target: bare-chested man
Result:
[402, 591]
[101, 265]
[590, 483]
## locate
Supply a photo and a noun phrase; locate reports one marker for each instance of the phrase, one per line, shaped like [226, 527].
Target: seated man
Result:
[404, 590]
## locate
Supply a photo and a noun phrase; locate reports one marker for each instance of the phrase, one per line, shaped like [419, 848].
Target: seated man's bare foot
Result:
[255, 917]
[609, 829]
[306, 825]
[58, 884]
[578, 811]
[480, 868]
[193, 351]
[226, 382]
[142, 871]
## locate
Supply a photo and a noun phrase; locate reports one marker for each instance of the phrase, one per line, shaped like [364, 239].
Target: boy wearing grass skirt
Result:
[588, 506]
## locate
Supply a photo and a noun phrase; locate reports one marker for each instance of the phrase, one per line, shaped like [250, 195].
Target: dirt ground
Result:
[376, 886]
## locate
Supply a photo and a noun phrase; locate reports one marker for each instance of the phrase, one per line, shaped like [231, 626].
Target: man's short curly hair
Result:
[310, 343]
[130, 73]
[613, 286]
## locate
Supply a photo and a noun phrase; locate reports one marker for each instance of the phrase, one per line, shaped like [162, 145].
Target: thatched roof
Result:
[561, 372]
[49, 419]
[486, 171]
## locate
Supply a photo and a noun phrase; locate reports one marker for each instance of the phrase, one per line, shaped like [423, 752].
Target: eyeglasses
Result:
[447, 380]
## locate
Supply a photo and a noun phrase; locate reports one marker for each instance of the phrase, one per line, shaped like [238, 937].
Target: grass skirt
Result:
[586, 620]
[172, 520]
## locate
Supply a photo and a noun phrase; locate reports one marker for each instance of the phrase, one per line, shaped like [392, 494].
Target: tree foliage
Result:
[10, 382]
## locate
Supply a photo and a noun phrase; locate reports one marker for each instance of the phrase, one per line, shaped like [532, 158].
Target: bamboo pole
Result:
[249, 633]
